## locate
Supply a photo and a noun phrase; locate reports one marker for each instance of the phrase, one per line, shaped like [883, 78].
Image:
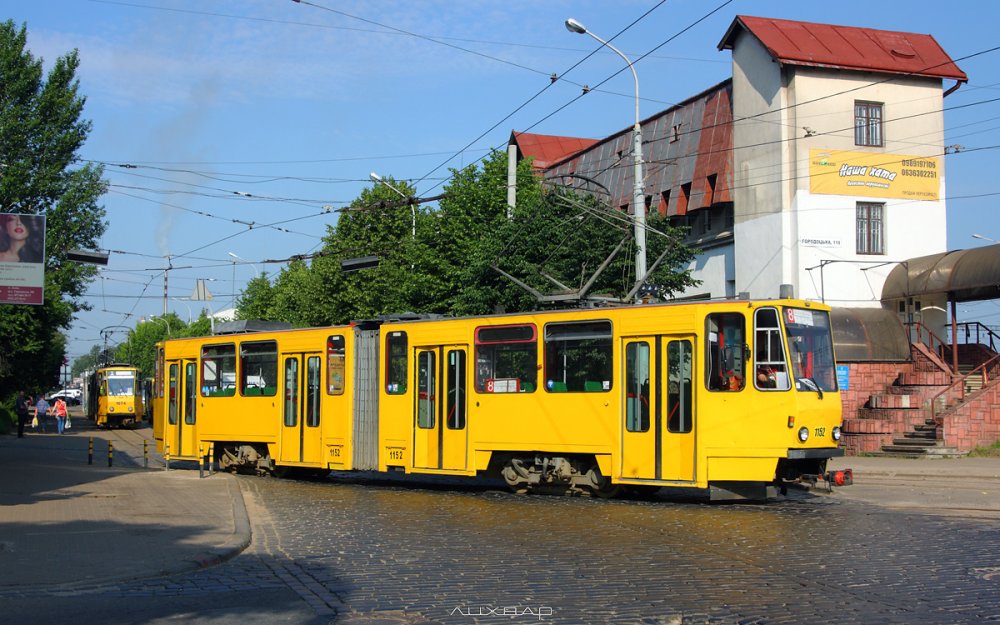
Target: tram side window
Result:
[259, 369]
[637, 393]
[336, 365]
[578, 357]
[725, 362]
[506, 359]
[395, 363]
[770, 368]
[679, 406]
[218, 370]
[158, 373]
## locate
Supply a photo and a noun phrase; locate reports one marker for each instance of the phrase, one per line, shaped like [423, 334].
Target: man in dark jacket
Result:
[21, 410]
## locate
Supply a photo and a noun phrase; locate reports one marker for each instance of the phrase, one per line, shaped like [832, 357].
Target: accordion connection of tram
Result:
[733, 396]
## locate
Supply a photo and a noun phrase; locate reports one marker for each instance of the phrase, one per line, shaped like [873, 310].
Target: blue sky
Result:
[268, 111]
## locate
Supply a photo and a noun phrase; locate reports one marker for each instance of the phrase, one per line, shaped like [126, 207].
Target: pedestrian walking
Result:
[62, 415]
[23, 413]
[42, 411]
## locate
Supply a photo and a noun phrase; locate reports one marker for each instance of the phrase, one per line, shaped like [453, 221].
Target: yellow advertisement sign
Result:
[837, 172]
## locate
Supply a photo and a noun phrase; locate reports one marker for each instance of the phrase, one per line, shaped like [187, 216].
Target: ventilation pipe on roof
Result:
[953, 89]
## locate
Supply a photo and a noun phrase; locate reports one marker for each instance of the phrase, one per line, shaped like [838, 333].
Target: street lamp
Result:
[413, 207]
[979, 236]
[245, 261]
[638, 198]
[186, 305]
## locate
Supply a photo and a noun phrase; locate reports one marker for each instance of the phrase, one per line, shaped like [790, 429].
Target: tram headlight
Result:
[111, 408]
[130, 408]
[803, 434]
[836, 433]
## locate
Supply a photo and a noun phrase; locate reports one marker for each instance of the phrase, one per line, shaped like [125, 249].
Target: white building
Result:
[818, 165]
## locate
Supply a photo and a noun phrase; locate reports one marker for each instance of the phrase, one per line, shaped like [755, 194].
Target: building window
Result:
[868, 123]
[871, 235]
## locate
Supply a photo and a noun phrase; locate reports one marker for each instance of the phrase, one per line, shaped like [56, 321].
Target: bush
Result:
[8, 420]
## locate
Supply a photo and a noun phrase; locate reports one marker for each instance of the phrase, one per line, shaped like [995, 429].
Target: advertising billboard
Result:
[871, 174]
[22, 258]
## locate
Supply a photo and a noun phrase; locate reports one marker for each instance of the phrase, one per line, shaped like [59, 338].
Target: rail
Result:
[990, 370]
[915, 333]
[979, 333]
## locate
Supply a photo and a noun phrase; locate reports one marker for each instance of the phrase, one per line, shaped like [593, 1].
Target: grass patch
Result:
[990, 451]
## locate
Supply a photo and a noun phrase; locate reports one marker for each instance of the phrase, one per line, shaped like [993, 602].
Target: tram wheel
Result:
[601, 486]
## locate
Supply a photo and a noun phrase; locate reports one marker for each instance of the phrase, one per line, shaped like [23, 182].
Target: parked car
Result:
[69, 395]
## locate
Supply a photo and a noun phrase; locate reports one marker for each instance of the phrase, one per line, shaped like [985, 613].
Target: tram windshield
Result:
[120, 385]
[811, 349]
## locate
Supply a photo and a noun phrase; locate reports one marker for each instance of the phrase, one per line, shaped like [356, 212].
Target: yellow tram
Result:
[114, 396]
[731, 395]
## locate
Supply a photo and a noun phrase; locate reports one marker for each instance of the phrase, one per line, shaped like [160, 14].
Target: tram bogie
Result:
[728, 397]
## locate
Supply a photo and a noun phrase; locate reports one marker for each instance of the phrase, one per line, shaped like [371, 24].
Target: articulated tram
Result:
[733, 396]
[114, 396]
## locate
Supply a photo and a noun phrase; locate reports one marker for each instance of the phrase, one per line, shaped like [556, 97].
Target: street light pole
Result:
[245, 262]
[413, 207]
[638, 197]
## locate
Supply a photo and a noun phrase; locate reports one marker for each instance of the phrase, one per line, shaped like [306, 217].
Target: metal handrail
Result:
[933, 341]
[980, 329]
[990, 369]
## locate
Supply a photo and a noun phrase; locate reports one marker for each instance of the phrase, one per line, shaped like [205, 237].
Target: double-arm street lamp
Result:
[638, 197]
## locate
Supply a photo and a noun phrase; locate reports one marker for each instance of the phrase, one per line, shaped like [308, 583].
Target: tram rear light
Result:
[803, 434]
[844, 477]
[791, 422]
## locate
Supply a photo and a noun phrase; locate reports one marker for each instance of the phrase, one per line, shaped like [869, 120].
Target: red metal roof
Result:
[548, 149]
[847, 47]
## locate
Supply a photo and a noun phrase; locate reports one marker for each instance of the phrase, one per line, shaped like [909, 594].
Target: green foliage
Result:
[450, 266]
[86, 362]
[41, 131]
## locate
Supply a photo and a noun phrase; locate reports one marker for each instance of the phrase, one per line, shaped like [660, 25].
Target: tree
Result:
[86, 362]
[41, 131]
[450, 266]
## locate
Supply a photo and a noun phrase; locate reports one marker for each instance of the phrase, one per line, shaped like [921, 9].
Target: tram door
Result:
[300, 426]
[440, 413]
[658, 435]
[182, 404]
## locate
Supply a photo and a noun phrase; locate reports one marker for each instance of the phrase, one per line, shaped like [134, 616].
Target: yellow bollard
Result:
[211, 457]
[111, 449]
[166, 457]
[90, 451]
[201, 461]
[145, 454]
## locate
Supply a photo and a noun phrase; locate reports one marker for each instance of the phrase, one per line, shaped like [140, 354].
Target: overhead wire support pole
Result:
[638, 197]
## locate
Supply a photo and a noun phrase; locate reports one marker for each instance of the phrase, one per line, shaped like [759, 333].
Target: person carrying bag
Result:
[62, 415]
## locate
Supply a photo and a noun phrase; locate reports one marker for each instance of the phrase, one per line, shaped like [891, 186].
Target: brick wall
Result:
[976, 424]
[866, 430]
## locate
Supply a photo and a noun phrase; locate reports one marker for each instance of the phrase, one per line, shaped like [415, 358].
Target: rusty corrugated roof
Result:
[548, 149]
[687, 151]
[847, 47]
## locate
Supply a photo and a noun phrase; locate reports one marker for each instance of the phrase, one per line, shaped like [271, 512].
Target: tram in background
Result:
[114, 396]
[732, 396]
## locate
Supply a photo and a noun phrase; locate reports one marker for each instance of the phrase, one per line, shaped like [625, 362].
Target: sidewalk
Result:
[950, 486]
[64, 522]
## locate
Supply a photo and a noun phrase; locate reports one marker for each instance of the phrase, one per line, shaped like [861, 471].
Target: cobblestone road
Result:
[359, 553]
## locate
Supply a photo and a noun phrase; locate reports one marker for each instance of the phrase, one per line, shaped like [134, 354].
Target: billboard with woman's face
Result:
[22, 258]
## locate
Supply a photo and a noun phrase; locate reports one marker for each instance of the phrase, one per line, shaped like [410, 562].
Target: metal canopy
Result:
[868, 334]
[963, 275]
